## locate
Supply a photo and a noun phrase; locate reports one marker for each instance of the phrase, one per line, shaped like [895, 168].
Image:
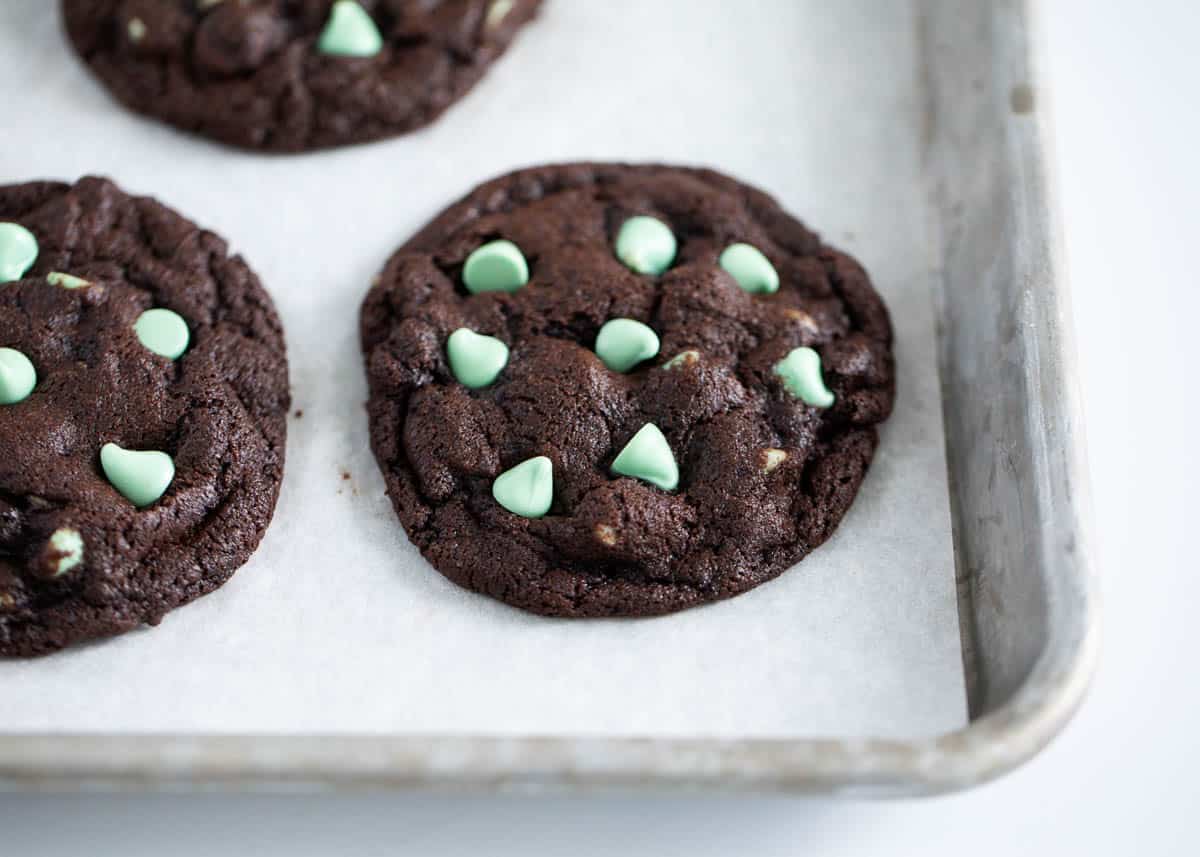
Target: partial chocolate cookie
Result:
[290, 75]
[143, 403]
[602, 389]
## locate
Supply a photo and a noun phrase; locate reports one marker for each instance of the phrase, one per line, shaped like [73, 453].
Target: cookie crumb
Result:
[1021, 99]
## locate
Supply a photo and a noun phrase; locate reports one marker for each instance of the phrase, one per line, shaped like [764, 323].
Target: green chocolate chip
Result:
[162, 331]
[497, 266]
[66, 281]
[17, 376]
[752, 270]
[476, 360]
[141, 476]
[623, 343]
[801, 374]
[648, 457]
[66, 550]
[136, 29]
[683, 358]
[527, 489]
[646, 245]
[18, 251]
[350, 32]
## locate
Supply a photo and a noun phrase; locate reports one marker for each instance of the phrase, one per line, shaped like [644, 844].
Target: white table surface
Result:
[1126, 80]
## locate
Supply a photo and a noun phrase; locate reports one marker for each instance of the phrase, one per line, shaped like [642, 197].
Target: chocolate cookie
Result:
[290, 75]
[601, 389]
[143, 402]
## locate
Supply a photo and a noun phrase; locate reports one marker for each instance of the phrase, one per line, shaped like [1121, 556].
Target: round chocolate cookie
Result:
[602, 389]
[143, 403]
[291, 75]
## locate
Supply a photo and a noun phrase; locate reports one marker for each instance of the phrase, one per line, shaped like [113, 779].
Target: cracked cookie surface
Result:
[218, 411]
[251, 73]
[764, 477]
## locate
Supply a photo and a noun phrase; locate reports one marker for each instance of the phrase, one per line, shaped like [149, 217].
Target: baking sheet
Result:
[337, 625]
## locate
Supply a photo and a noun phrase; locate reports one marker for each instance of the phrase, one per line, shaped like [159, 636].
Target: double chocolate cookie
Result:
[622, 390]
[143, 403]
[290, 75]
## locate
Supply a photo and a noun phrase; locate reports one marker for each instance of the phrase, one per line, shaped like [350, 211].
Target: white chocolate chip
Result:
[66, 281]
[806, 321]
[683, 358]
[496, 13]
[66, 550]
[772, 458]
[137, 29]
[606, 534]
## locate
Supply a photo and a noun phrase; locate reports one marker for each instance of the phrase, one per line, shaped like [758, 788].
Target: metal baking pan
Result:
[1018, 485]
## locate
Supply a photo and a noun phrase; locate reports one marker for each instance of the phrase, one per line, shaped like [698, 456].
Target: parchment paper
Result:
[337, 624]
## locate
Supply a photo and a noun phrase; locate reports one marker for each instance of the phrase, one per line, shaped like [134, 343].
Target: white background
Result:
[1122, 778]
